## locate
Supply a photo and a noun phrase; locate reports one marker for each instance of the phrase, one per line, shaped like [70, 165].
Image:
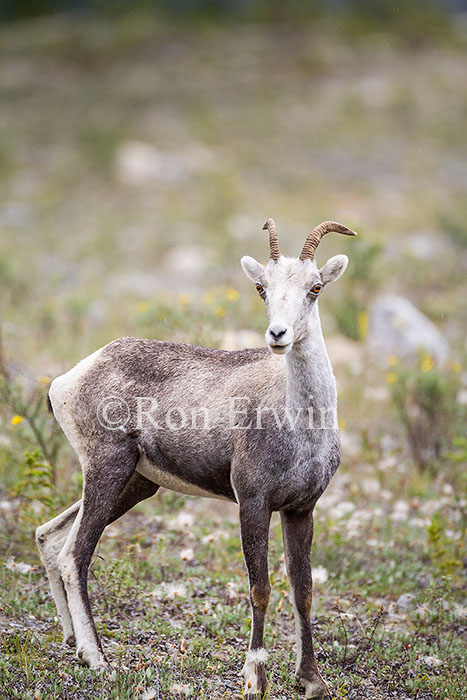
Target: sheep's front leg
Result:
[254, 523]
[297, 532]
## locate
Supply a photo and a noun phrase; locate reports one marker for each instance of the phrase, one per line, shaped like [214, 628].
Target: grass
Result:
[367, 128]
[158, 635]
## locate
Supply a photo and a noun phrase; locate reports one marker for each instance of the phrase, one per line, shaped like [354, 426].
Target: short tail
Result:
[49, 404]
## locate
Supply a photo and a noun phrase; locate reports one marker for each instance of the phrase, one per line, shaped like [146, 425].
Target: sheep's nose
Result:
[277, 332]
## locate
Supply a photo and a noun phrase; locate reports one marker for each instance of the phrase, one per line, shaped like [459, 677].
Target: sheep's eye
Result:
[316, 288]
[259, 289]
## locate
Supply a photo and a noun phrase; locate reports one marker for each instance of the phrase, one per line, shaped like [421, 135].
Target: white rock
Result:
[187, 259]
[398, 328]
[139, 163]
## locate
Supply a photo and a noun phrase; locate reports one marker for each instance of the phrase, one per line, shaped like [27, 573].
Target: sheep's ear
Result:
[334, 268]
[252, 268]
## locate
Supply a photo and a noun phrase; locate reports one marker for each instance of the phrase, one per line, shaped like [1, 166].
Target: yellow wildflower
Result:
[427, 363]
[16, 420]
[232, 294]
[44, 380]
[208, 298]
[184, 299]
[456, 367]
[362, 322]
[142, 307]
[391, 377]
[342, 423]
[220, 312]
[393, 360]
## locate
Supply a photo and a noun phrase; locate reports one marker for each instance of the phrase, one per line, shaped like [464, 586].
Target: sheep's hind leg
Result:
[52, 535]
[107, 493]
[50, 539]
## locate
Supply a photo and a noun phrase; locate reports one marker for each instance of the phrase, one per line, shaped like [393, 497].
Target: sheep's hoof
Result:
[70, 640]
[256, 681]
[315, 689]
[92, 658]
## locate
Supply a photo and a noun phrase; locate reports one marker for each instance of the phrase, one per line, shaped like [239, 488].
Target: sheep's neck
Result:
[310, 379]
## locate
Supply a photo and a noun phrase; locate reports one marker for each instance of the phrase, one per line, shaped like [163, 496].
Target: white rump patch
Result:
[62, 391]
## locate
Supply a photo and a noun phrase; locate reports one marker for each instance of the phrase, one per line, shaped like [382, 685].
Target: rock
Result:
[238, 340]
[398, 328]
[187, 259]
[139, 163]
[426, 245]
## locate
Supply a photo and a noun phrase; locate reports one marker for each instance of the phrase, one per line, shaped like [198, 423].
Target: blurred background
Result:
[142, 146]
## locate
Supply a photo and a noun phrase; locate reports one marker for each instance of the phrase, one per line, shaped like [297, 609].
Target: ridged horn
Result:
[315, 236]
[273, 239]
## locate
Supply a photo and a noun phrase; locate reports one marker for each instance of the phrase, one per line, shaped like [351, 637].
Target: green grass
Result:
[363, 640]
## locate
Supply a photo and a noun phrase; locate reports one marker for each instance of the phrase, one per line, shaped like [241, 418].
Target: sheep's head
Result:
[290, 287]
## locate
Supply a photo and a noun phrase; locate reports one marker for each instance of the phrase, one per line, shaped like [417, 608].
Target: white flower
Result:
[158, 592]
[213, 536]
[459, 610]
[181, 689]
[421, 611]
[187, 554]
[169, 590]
[341, 509]
[431, 661]
[175, 591]
[320, 574]
[405, 601]
[150, 694]
[231, 590]
[183, 521]
[347, 616]
[20, 566]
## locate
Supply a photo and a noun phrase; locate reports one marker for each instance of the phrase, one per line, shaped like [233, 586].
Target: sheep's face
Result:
[290, 288]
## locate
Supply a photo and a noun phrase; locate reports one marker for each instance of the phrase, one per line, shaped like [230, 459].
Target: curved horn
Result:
[273, 239]
[315, 236]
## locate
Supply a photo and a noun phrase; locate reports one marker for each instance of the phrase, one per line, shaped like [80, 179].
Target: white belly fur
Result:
[170, 481]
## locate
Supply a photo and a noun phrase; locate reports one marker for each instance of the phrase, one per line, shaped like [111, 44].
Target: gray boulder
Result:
[398, 328]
